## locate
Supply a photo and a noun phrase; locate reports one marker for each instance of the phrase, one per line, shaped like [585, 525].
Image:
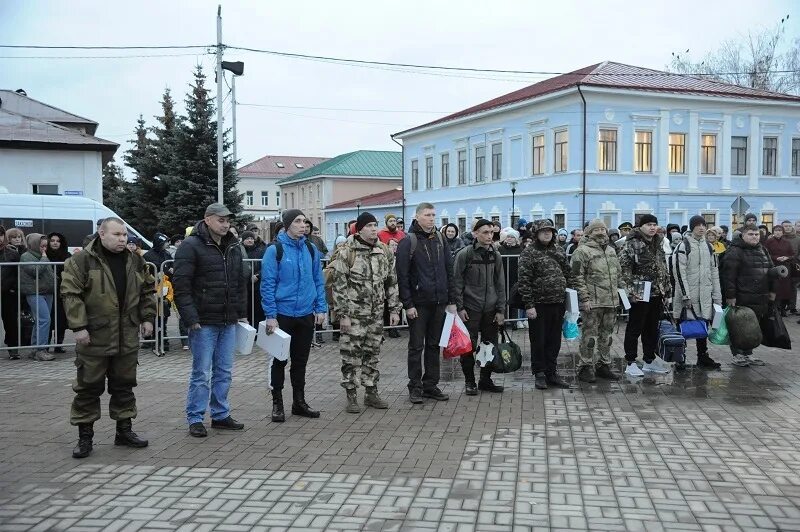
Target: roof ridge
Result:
[50, 106]
[54, 125]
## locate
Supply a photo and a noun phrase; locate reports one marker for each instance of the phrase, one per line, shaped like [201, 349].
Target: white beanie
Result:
[507, 232]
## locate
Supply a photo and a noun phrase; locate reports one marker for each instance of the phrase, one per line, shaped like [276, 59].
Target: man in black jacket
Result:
[211, 292]
[425, 282]
[481, 300]
[747, 283]
[9, 294]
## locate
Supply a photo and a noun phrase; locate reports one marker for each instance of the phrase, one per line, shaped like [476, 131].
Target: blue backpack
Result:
[671, 343]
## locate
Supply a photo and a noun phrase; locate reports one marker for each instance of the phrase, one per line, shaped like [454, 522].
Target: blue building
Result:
[610, 141]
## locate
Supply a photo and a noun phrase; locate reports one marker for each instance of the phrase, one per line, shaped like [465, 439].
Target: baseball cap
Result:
[218, 209]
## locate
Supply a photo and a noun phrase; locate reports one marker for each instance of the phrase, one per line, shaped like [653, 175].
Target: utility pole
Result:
[233, 115]
[220, 73]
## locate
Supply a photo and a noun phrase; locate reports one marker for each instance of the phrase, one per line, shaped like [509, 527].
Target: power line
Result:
[143, 47]
[99, 56]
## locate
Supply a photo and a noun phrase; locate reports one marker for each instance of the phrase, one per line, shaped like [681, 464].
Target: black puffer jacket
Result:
[210, 281]
[8, 274]
[745, 276]
[426, 278]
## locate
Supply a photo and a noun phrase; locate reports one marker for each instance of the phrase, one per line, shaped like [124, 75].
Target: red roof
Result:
[389, 197]
[279, 166]
[619, 76]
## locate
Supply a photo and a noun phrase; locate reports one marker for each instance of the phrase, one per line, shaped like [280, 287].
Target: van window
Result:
[73, 230]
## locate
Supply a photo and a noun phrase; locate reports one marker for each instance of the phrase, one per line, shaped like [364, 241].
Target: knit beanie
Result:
[594, 224]
[507, 232]
[696, 220]
[289, 216]
[363, 219]
[387, 216]
[248, 234]
[647, 219]
[480, 223]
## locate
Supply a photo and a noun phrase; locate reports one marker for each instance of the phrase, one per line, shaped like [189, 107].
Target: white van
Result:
[73, 216]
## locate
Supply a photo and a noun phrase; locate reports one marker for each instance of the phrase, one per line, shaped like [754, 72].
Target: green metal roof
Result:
[357, 163]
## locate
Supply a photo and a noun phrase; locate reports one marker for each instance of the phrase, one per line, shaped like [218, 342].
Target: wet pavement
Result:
[697, 450]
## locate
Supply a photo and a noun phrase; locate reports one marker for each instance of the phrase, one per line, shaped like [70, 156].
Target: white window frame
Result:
[684, 216]
[475, 149]
[265, 196]
[716, 153]
[249, 198]
[556, 131]
[715, 212]
[774, 214]
[777, 138]
[559, 209]
[652, 132]
[540, 133]
[609, 127]
[414, 185]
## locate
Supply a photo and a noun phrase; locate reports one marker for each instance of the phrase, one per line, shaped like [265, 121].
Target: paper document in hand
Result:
[623, 296]
[449, 319]
[572, 301]
[245, 337]
[642, 290]
[276, 344]
[718, 316]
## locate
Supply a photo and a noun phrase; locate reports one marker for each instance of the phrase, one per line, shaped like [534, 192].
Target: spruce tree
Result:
[192, 169]
[116, 190]
[147, 190]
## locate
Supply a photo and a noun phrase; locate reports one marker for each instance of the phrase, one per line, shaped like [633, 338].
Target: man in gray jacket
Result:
[480, 298]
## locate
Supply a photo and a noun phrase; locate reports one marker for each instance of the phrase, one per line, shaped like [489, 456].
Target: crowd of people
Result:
[372, 279]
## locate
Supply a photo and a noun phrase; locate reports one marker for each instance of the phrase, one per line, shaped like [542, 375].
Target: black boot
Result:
[278, 416]
[85, 435]
[299, 405]
[126, 436]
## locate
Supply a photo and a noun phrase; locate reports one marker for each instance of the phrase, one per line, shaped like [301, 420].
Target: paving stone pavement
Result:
[698, 450]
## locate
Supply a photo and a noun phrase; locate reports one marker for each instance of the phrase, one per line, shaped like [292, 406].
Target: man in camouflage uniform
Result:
[364, 278]
[543, 280]
[642, 259]
[109, 296]
[596, 277]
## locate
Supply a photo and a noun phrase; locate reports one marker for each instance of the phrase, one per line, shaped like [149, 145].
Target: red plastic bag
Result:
[459, 343]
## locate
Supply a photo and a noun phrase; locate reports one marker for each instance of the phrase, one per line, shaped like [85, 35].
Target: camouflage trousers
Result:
[596, 336]
[360, 349]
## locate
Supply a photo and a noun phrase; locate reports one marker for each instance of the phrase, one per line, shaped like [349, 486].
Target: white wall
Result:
[70, 170]
[257, 185]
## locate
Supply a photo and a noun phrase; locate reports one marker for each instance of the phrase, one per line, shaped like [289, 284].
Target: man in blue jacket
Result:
[293, 297]
[425, 281]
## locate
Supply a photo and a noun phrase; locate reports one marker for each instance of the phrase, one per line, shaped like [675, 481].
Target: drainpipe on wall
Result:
[583, 170]
[402, 176]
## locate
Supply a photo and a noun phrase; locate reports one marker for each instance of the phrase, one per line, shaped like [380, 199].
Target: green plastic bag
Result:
[720, 336]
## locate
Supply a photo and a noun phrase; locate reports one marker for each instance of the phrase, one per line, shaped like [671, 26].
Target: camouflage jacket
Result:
[644, 261]
[364, 276]
[543, 274]
[596, 273]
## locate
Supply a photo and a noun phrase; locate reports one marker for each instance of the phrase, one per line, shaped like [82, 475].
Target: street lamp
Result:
[358, 206]
[513, 208]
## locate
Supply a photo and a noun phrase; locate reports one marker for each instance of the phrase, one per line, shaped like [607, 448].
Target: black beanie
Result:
[363, 219]
[288, 216]
[647, 219]
[696, 220]
[480, 223]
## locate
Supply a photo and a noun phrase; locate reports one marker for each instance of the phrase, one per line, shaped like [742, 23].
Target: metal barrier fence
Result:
[28, 311]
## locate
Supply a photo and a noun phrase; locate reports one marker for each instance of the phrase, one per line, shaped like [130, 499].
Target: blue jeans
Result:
[41, 306]
[212, 364]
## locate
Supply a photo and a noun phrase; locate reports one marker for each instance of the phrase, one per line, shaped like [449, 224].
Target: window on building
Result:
[514, 220]
[292, 205]
[496, 218]
[607, 144]
[736, 222]
[428, 173]
[561, 154]
[248, 198]
[414, 175]
[538, 154]
[280, 165]
[264, 198]
[462, 167]
[608, 219]
[637, 217]
[497, 161]
[47, 190]
[795, 156]
[278, 199]
[770, 156]
[710, 218]
[480, 164]
[319, 192]
[677, 153]
[302, 196]
[768, 219]
[643, 152]
[738, 155]
[298, 165]
[445, 170]
[445, 221]
[708, 154]
[560, 220]
[462, 225]
[336, 229]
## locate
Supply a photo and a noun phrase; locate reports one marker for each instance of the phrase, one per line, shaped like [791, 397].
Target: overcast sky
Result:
[523, 35]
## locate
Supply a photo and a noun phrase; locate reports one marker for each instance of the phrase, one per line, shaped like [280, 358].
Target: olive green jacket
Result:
[90, 301]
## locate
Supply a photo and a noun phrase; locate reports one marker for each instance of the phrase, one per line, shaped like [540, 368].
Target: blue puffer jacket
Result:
[295, 286]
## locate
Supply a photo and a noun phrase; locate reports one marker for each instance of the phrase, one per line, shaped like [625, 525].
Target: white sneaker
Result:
[661, 363]
[754, 361]
[742, 361]
[633, 371]
[653, 367]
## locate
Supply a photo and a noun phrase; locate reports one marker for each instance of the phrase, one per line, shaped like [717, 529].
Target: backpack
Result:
[671, 343]
[279, 249]
[412, 237]
[327, 272]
